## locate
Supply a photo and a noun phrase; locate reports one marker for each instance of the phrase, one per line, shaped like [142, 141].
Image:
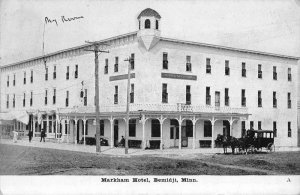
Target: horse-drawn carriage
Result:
[252, 141]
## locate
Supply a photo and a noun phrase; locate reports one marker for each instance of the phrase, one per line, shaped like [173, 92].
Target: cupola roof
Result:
[149, 12]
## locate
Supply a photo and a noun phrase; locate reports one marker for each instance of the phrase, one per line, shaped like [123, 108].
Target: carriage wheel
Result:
[271, 147]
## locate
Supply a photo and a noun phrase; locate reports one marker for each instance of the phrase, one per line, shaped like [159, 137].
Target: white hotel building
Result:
[181, 91]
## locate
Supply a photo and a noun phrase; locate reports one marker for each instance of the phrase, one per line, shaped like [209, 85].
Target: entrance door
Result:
[116, 132]
[217, 99]
[174, 136]
[77, 133]
[226, 128]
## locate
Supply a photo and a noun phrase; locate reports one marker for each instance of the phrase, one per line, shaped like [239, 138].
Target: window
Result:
[207, 129]
[289, 129]
[274, 129]
[86, 127]
[24, 80]
[101, 127]
[156, 24]
[132, 61]
[46, 74]
[227, 69]
[165, 60]
[259, 99]
[14, 81]
[14, 101]
[289, 74]
[139, 24]
[106, 66]
[274, 73]
[259, 72]
[68, 73]
[7, 101]
[54, 96]
[259, 125]
[243, 97]
[164, 93]
[85, 97]
[155, 128]
[226, 97]
[132, 93]
[274, 100]
[116, 67]
[147, 23]
[76, 71]
[188, 64]
[7, 83]
[244, 69]
[116, 95]
[46, 97]
[132, 127]
[188, 96]
[67, 98]
[31, 98]
[189, 128]
[24, 99]
[243, 128]
[54, 72]
[251, 125]
[31, 76]
[289, 101]
[208, 66]
[208, 97]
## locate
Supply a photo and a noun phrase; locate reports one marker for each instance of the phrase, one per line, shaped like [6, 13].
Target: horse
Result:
[226, 141]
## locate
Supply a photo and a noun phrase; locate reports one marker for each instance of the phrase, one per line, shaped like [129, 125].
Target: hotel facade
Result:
[182, 93]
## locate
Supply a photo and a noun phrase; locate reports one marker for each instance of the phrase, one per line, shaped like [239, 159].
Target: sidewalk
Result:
[106, 150]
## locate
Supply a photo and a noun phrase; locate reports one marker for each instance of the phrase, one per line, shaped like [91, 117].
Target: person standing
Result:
[43, 135]
[30, 134]
[15, 136]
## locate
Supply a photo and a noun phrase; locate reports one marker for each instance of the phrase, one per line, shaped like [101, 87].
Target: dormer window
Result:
[156, 25]
[147, 23]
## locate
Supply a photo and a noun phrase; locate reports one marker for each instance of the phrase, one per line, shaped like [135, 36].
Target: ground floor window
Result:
[274, 128]
[132, 127]
[243, 128]
[66, 127]
[101, 127]
[207, 129]
[189, 128]
[155, 128]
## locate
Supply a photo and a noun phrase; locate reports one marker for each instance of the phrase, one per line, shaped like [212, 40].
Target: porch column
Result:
[47, 127]
[179, 123]
[231, 123]
[33, 126]
[75, 133]
[111, 132]
[161, 120]
[84, 130]
[212, 132]
[143, 130]
[194, 132]
[68, 129]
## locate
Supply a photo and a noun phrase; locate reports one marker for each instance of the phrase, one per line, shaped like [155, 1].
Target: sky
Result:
[262, 25]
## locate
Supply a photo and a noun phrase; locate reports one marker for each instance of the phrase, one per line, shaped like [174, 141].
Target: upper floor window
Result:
[67, 98]
[208, 97]
[68, 73]
[46, 74]
[24, 79]
[76, 71]
[54, 72]
[227, 69]
[139, 24]
[116, 68]
[156, 24]
[289, 74]
[132, 61]
[243, 97]
[54, 96]
[7, 101]
[132, 93]
[274, 100]
[31, 76]
[165, 60]
[164, 93]
[188, 96]
[259, 72]
[116, 95]
[244, 69]
[31, 98]
[14, 100]
[289, 101]
[274, 73]
[208, 66]
[46, 97]
[226, 97]
[259, 99]
[147, 23]
[289, 129]
[188, 63]
[7, 83]
[24, 99]
[106, 66]
[85, 97]
[14, 81]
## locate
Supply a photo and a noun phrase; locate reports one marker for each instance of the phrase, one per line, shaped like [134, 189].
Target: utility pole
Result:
[127, 105]
[97, 51]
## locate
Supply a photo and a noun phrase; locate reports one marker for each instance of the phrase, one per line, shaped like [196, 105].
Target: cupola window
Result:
[156, 25]
[147, 23]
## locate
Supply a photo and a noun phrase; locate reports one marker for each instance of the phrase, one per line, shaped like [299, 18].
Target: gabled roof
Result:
[149, 12]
